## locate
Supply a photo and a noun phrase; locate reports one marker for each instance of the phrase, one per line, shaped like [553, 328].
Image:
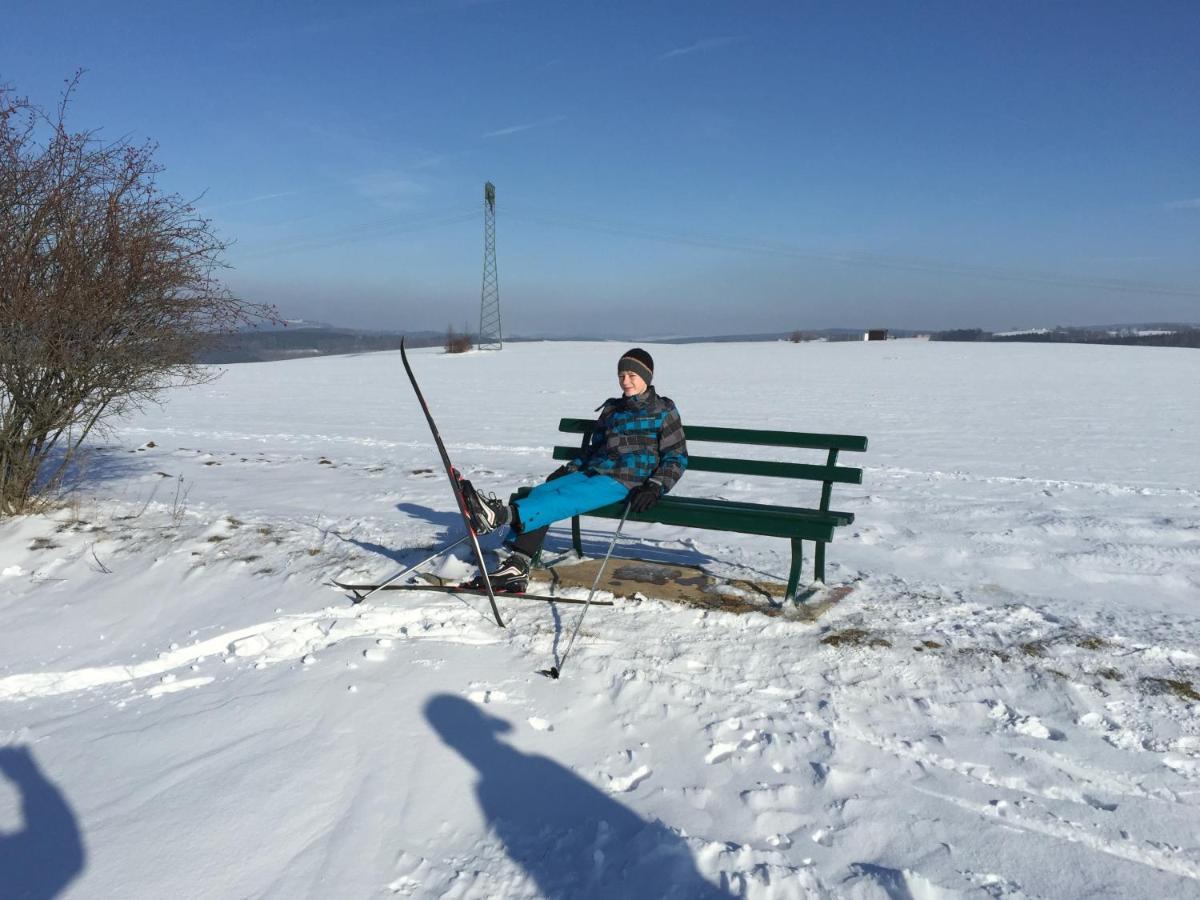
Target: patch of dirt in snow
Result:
[638, 579]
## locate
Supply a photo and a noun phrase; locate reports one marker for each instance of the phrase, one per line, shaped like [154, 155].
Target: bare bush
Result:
[108, 291]
[456, 342]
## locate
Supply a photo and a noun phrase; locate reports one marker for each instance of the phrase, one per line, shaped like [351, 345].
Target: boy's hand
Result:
[644, 496]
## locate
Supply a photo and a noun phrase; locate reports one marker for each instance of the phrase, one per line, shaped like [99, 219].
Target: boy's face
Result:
[631, 383]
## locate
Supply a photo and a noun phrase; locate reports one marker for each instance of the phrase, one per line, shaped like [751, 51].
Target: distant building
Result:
[875, 334]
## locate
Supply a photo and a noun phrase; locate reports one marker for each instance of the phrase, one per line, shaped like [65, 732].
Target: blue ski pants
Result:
[565, 497]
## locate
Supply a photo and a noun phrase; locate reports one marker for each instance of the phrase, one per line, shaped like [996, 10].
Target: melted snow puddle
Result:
[285, 639]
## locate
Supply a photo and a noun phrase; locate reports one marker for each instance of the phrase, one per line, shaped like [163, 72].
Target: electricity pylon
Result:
[490, 337]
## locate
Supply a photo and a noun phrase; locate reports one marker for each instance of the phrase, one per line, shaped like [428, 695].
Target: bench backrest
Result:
[829, 473]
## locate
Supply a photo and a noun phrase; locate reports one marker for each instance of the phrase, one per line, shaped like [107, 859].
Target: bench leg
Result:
[819, 563]
[576, 537]
[794, 575]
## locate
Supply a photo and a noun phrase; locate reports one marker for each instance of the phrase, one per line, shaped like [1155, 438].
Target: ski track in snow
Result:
[279, 640]
[1000, 708]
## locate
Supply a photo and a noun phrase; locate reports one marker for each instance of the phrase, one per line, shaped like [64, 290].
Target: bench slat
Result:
[805, 440]
[741, 521]
[704, 504]
[840, 474]
[840, 517]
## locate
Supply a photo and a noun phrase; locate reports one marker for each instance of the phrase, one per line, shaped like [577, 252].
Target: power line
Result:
[850, 258]
[366, 231]
[353, 234]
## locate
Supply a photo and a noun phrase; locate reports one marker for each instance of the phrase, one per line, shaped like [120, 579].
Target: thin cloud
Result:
[1183, 204]
[429, 162]
[699, 46]
[389, 188]
[514, 129]
[246, 202]
[1124, 259]
[511, 129]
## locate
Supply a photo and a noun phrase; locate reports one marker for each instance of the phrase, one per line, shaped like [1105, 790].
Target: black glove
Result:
[644, 496]
[560, 472]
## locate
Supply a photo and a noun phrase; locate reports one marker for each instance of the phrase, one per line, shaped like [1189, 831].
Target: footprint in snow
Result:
[723, 750]
[1030, 726]
[416, 875]
[378, 653]
[626, 783]
[485, 697]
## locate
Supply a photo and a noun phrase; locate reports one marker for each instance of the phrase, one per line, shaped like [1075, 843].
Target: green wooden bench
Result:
[796, 523]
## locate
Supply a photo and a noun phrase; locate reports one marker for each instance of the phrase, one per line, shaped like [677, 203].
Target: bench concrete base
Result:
[628, 578]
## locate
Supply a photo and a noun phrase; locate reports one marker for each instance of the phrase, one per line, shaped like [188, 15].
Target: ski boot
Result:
[511, 576]
[487, 512]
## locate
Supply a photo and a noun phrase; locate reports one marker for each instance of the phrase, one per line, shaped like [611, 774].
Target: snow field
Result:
[1005, 706]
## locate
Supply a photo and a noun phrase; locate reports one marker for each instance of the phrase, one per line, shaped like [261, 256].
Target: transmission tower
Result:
[490, 337]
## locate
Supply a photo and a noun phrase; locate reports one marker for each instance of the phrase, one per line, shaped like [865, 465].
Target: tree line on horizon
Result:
[1182, 337]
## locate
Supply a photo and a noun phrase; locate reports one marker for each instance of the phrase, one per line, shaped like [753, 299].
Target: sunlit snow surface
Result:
[1006, 705]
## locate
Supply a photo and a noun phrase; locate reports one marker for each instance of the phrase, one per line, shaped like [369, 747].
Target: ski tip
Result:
[551, 672]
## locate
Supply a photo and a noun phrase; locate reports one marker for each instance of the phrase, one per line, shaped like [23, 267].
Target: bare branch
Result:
[103, 568]
[109, 290]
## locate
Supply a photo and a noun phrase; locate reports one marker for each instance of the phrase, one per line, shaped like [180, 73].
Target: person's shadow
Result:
[38, 862]
[572, 839]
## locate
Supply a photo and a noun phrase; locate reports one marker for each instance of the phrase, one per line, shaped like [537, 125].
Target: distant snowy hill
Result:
[297, 340]
[1006, 706]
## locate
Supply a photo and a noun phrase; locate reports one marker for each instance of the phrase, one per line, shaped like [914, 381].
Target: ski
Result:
[441, 551]
[452, 474]
[361, 590]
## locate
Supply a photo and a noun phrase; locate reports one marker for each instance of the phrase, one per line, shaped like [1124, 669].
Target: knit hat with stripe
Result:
[639, 362]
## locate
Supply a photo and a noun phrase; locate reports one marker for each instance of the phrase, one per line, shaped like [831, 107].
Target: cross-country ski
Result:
[361, 590]
[455, 487]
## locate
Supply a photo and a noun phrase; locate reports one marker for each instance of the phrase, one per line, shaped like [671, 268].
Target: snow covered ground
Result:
[1008, 705]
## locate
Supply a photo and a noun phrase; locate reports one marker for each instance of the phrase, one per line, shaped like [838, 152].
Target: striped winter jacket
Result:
[635, 440]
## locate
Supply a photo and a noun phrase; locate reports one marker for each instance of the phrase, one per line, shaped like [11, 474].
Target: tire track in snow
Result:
[1103, 782]
[1064, 829]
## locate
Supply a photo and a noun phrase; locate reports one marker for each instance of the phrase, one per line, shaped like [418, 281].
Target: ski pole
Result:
[555, 671]
[444, 550]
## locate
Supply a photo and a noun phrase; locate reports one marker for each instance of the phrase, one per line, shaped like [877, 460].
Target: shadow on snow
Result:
[39, 861]
[93, 465]
[572, 839]
[558, 543]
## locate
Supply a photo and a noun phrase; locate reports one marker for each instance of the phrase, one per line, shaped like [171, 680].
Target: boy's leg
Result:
[566, 497]
[529, 541]
[559, 499]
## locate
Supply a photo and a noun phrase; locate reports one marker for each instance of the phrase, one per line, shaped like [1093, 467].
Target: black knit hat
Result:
[639, 362]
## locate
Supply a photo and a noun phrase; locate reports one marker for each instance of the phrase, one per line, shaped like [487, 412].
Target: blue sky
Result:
[663, 167]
